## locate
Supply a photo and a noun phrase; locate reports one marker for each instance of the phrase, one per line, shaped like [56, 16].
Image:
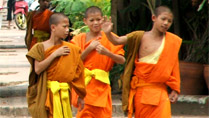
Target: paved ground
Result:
[14, 67]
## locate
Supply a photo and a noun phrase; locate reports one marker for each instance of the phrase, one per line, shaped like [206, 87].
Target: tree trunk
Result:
[114, 14]
[176, 17]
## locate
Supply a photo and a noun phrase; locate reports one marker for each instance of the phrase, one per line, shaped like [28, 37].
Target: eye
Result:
[170, 21]
[98, 19]
[163, 18]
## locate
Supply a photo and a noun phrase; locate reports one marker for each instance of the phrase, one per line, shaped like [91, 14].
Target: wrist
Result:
[54, 55]
[108, 33]
[108, 54]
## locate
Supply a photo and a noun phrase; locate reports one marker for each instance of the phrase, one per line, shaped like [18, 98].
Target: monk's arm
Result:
[174, 83]
[107, 27]
[42, 65]
[91, 47]
[116, 40]
[115, 57]
[85, 53]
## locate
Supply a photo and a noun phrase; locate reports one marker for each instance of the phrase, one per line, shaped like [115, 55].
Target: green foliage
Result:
[195, 34]
[75, 9]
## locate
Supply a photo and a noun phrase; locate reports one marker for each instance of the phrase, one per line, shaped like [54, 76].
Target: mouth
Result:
[96, 26]
[164, 28]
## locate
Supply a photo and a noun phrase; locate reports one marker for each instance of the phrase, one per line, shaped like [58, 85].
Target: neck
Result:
[94, 34]
[55, 40]
[41, 10]
[157, 33]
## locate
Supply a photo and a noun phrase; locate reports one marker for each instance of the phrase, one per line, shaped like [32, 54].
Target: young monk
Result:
[152, 65]
[56, 68]
[98, 55]
[38, 28]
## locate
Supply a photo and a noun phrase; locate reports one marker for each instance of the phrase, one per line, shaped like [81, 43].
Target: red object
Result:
[21, 6]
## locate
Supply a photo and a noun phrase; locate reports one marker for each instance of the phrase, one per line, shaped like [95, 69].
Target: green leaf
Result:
[68, 8]
[201, 5]
[77, 6]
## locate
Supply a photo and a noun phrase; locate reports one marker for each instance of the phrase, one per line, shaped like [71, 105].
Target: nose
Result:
[67, 29]
[96, 22]
[166, 22]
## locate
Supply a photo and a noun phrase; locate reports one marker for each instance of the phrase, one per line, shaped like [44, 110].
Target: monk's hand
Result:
[107, 25]
[80, 104]
[64, 50]
[173, 96]
[94, 44]
[102, 50]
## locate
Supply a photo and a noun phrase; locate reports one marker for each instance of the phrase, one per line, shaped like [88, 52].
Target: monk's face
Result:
[44, 4]
[61, 30]
[94, 21]
[163, 21]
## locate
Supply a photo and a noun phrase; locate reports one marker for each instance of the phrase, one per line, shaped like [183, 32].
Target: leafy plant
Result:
[198, 27]
[75, 9]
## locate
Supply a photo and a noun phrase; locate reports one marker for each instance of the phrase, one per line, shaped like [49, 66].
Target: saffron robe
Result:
[72, 73]
[39, 22]
[98, 93]
[166, 70]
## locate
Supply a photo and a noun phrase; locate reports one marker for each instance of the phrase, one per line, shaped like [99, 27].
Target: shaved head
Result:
[56, 18]
[92, 9]
[161, 9]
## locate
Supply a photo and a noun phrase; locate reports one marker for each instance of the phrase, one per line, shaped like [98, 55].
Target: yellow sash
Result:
[61, 108]
[98, 74]
[41, 35]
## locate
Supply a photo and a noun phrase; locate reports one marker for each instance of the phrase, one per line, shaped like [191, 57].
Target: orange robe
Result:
[68, 69]
[40, 22]
[98, 102]
[148, 93]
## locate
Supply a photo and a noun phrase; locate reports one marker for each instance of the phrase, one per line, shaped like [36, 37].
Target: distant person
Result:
[99, 56]
[1, 7]
[10, 12]
[152, 66]
[56, 68]
[38, 28]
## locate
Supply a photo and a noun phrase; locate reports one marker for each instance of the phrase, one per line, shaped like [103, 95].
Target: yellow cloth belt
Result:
[41, 35]
[61, 108]
[98, 74]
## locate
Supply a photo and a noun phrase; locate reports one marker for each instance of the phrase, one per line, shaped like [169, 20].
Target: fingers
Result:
[110, 19]
[66, 50]
[173, 97]
[81, 107]
[99, 48]
[106, 19]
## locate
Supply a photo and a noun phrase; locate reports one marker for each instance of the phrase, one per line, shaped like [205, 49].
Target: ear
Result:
[53, 27]
[154, 18]
[84, 20]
